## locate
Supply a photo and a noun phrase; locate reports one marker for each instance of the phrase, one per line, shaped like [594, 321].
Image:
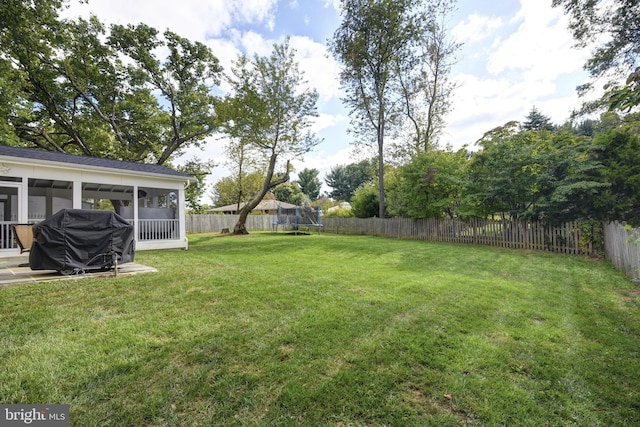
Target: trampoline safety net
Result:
[294, 218]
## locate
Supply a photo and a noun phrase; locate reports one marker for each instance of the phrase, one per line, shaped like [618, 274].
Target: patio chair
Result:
[23, 234]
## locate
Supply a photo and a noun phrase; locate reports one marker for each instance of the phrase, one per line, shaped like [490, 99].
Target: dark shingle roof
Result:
[50, 156]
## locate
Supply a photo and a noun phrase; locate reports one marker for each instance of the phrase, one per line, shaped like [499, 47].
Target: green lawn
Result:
[330, 330]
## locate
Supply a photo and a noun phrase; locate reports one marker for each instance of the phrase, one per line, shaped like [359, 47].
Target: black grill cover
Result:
[74, 240]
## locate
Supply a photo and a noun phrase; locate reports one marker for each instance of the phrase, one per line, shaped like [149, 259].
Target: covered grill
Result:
[77, 240]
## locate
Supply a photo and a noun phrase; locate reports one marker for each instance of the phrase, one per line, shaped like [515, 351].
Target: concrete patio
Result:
[15, 271]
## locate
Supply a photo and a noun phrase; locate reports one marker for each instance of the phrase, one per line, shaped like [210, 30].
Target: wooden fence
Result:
[623, 249]
[213, 223]
[569, 238]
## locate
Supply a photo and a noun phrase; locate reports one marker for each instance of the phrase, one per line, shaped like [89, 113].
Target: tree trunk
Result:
[381, 209]
[240, 227]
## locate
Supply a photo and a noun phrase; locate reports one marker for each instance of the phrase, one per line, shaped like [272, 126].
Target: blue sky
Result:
[516, 54]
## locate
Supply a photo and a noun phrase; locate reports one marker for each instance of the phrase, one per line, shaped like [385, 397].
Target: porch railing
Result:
[6, 235]
[158, 229]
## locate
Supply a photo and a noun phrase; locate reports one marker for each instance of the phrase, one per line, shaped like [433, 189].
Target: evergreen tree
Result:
[535, 120]
[309, 182]
[344, 180]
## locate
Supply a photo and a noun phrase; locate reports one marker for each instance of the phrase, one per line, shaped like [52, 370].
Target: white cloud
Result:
[332, 3]
[225, 50]
[320, 69]
[541, 46]
[529, 66]
[475, 28]
[252, 11]
[478, 106]
[255, 44]
[194, 19]
[325, 121]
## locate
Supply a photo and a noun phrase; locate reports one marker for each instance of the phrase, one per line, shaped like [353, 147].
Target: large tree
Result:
[309, 182]
[79, 87]
[236, 189]
[550, 176]
[430, 186]
[424, 82]
[613, 26]
[345, 179]
[383, 45]
[270, 107]
[619, 152]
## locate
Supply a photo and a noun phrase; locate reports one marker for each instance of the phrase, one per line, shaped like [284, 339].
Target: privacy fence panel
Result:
[622, 247]
[569, 238]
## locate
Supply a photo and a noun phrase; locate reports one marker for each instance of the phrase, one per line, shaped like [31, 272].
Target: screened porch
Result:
[157, 208]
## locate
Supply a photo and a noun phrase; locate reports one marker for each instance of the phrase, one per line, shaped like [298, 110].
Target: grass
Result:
[330, 330]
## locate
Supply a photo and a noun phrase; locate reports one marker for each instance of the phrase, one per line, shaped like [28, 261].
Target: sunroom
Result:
[36, 184]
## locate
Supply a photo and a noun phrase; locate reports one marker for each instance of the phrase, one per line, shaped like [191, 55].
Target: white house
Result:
[36, 184]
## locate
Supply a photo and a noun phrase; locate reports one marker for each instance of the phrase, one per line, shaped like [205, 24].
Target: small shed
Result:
[36, 184]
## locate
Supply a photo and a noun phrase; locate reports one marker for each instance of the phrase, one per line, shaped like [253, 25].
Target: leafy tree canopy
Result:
[234, 190]
[269, 109]
[430, 186]
[289, 192]
[79, 87]
[345, 179]
[364, 203]
[551, 176]
[613, 25]
[619, 152]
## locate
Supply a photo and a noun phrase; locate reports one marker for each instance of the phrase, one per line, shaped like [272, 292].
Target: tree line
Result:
[533, 170]
[529, 170]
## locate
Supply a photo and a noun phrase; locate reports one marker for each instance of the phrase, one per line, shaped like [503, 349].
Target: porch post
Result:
[23, 201]
[48, 205]
[77, 194]
[182, 217]
[135, 214]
